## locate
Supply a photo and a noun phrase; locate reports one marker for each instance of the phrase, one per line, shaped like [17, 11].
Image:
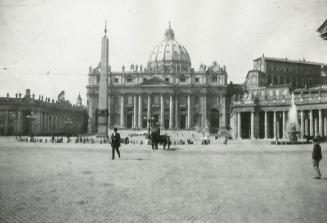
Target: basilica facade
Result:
[167, 91]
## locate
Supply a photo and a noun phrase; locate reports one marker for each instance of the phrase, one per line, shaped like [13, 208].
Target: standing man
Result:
[153, 138]
[316, 157]
[115, 143]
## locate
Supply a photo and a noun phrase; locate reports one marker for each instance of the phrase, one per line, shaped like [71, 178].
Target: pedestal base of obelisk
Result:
[102, 127]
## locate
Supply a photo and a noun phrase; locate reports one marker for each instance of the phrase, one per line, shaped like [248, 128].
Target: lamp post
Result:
[149, 120]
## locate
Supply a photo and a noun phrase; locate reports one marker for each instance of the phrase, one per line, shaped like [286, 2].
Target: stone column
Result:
[302, 124]
[140, 118]
[316, 125]
[162, 111]
[222, 110]
[171, 111]
[311, 123]
[320, 123]
[235, 125]
[204, 111]
[239, 135]
[189, 114]
[45, 123]
[284, 124]
[122, 112]
[176, 112]
[149, 110]
[274, 125]
[306, 126]
[252, 125]
[38, 124]
[266, 125]
[325, 126]
[6, 122]
[19, 122]
[48, 124]
[135, 112]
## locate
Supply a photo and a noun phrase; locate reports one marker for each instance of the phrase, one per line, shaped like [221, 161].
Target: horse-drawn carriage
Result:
[160, 139]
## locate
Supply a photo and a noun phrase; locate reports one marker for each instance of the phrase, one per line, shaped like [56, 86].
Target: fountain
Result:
[293, 123]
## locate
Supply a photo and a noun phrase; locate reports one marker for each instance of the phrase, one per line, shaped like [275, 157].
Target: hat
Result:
[316, 139]
[115, 129]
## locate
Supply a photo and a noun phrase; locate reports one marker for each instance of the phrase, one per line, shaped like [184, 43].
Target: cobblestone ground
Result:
[240, 182]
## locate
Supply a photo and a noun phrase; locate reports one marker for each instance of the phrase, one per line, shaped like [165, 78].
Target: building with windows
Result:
[322, 30]
[261, 112]
[168, 90]
[25, 115]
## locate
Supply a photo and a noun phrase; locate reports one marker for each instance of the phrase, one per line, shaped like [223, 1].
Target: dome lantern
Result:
[169, 34]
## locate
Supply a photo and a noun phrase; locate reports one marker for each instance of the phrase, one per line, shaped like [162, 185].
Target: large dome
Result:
[169, 55]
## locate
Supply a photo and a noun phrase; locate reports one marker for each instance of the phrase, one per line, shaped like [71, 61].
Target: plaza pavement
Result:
[240, 182]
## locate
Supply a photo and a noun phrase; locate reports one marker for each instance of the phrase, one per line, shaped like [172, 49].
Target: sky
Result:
[48, 45]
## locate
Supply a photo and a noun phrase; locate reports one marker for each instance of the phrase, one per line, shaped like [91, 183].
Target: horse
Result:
[164, 140]
[308, 138]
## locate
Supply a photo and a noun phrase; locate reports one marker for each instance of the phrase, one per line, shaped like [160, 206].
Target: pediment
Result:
[155, 81]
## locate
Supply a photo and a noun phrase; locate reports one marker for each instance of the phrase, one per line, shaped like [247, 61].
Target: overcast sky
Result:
[63, 37]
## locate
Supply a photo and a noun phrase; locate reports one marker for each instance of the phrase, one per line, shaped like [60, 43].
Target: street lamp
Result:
[150, 122]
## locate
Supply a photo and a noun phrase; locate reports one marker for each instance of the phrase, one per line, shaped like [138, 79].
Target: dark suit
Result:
[115, 144]
[316, 157]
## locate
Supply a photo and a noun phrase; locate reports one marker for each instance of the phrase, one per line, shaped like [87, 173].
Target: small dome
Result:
[169, 55]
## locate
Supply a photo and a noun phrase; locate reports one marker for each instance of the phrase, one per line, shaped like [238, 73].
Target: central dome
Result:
[169, 55]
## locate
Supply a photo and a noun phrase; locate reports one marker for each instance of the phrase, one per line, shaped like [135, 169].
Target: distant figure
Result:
[316, 157]
[115, 143]
[225, 141]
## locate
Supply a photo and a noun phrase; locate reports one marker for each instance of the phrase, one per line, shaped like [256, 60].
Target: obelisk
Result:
[103, 88]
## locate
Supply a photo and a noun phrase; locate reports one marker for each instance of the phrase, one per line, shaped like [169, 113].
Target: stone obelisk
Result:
[103, 88]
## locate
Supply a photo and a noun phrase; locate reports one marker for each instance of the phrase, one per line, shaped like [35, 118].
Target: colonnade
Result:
[139, 117]
[41, 123]
[273, 124]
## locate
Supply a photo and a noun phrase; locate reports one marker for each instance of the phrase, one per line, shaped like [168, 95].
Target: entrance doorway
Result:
[144, 122]
[129, 121]
[182, 121]
[166, 123]
[246, 125]
[214, 119]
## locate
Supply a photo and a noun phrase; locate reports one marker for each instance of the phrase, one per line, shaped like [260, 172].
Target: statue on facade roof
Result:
[132, 67]
[123, 68]
[141, 67]
[136, 68]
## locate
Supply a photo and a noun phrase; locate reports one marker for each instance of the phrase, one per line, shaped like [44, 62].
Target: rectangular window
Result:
[197, 80]
[116, 80]
[129, 80]
[144, 79]
[214, 79]
[167, 79]
[182, 79]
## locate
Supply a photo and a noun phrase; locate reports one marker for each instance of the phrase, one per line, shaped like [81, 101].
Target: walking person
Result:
[225, 141]
[316, 157]
[115, 143]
